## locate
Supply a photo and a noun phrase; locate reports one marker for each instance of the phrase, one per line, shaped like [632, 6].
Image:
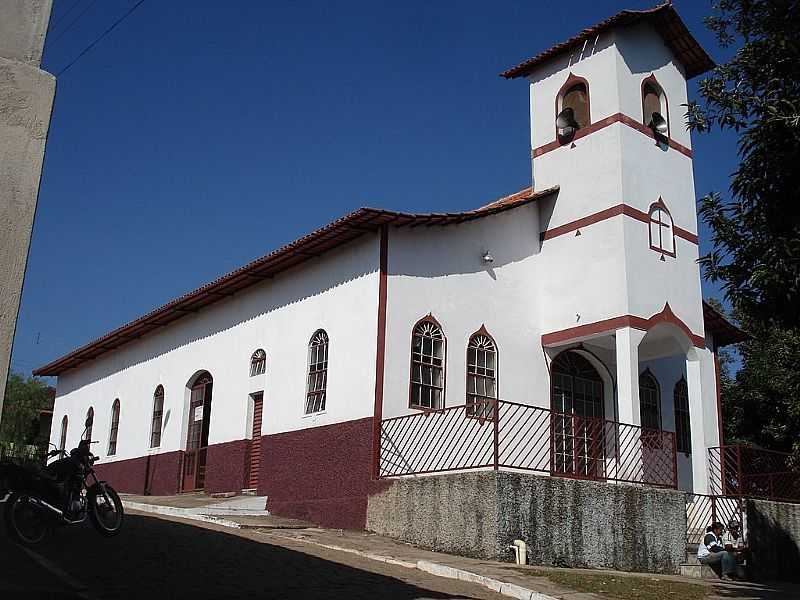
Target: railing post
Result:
[674, 461]
[740, 475]
[496, 440]
[713, 509]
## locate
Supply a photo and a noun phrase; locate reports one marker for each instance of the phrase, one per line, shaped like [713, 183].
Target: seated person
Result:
[711, 552]
[733, 541]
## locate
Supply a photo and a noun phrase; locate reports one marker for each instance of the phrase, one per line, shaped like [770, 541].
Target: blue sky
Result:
[199, 135]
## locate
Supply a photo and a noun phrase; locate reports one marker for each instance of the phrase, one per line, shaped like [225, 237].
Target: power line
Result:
[64, 15]
[68, 27]
[104, 34]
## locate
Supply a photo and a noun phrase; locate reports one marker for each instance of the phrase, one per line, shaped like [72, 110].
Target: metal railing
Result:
[702, 510]
[744, 471]
[499, 434]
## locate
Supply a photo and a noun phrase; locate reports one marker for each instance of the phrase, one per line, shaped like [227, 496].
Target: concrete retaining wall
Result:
[564, 522]
[774, 540]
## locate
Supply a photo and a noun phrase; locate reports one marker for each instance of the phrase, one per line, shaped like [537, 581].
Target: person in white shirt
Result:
[733, 542]
[711, 552]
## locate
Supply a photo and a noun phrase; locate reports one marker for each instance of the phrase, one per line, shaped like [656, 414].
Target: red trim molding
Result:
[381, 351]
[608, 213]
[602, 124]
[608, 325]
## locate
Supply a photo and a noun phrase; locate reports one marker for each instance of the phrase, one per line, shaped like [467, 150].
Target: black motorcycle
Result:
[65, 492]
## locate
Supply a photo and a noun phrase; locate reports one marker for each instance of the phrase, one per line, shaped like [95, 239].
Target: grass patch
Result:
[621, 587]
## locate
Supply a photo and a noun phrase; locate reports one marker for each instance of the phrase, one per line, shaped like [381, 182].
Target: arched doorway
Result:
[576, 398]
[194, 462]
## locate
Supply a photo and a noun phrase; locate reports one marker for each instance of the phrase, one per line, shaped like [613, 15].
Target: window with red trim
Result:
[427, 366]
[481, 376]
[89, 415]
[158, 416]
[649, 401]
[112, 437]
[683, 436]
[258, 363]
[662, 234]
[317, 382]
[63, 440]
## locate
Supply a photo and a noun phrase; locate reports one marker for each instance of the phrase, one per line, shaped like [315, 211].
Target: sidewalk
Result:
[528, 582]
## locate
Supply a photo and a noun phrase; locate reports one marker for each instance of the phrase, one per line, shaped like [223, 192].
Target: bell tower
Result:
[608, 127]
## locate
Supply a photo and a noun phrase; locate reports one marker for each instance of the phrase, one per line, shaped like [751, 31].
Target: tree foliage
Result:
[23, 400]
[756, 231]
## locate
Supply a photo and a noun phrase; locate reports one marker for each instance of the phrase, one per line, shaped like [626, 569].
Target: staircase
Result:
[691, 567]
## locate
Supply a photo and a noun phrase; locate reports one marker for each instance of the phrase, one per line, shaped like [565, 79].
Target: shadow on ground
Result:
[158, 559]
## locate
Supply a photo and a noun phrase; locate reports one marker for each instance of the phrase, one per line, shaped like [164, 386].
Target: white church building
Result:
[559, 330]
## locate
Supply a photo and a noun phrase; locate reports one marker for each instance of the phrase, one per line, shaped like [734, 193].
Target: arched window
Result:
[683, 436]
[427, 365]
[317, 372]
[89, 415]
[649, 401]
[577, 98]
[662, 234]
[112, 436]
[481, 375]
[158, 417]
[62, 444]
[654, 102]
[258, 363]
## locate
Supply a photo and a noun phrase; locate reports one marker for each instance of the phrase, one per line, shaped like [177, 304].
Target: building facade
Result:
[560, 329]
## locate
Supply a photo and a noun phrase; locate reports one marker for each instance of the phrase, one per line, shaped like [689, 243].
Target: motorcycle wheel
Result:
[25, 522]
[105, 509]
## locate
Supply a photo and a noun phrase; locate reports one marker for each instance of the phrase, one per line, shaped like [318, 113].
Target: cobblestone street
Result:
[156, 558]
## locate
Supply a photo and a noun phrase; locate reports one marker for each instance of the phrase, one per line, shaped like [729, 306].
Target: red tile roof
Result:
[724, 331]
[332, 235]
[665, 20]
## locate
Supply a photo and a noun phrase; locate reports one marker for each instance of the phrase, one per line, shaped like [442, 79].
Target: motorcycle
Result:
[64, 492]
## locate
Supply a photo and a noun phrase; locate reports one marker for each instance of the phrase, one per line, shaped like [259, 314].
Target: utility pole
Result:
[26, 101]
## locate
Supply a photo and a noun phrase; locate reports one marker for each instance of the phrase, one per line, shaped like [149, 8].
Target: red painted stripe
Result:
[381, 351]
[609, 213]
[607, 325]
[602, 124]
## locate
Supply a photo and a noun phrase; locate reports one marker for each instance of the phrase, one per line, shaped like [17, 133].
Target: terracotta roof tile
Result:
[665, 20]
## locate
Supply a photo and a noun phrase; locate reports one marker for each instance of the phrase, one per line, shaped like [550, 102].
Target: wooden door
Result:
[194, 460]
[255, 442]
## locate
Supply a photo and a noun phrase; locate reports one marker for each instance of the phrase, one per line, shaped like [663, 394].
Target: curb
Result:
[184, 513]
[501, 587]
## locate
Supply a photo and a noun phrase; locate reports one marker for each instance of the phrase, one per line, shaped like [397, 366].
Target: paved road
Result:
[155, 558]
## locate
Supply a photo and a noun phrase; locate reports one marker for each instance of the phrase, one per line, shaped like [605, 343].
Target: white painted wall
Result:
[337, 292]
[440, 271]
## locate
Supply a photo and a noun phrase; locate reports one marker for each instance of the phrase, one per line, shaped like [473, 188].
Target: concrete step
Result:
[250, 492]
[698, 571]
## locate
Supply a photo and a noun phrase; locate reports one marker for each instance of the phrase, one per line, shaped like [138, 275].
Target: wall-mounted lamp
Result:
[487, 257]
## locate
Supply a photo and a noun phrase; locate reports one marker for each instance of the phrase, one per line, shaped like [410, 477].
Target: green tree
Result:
[755, 230]
[23, 400]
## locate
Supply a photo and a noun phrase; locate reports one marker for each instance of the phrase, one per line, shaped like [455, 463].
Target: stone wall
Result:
[564, 522]
[773, 536]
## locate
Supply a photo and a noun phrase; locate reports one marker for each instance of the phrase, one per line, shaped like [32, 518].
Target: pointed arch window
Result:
[158, 417]
[112, 436]
[317, 382]
[427, 365]
[683, 437]
[572, 108]
[649, 401]
[662, 233]
[258, 363]
[62, 444]
[89, 415]
[481, 375]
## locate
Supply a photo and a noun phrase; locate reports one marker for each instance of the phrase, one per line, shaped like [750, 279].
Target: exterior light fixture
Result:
[487, 257]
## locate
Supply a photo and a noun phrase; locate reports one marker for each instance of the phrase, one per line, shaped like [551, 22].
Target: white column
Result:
[694, 384]
[628, 340]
